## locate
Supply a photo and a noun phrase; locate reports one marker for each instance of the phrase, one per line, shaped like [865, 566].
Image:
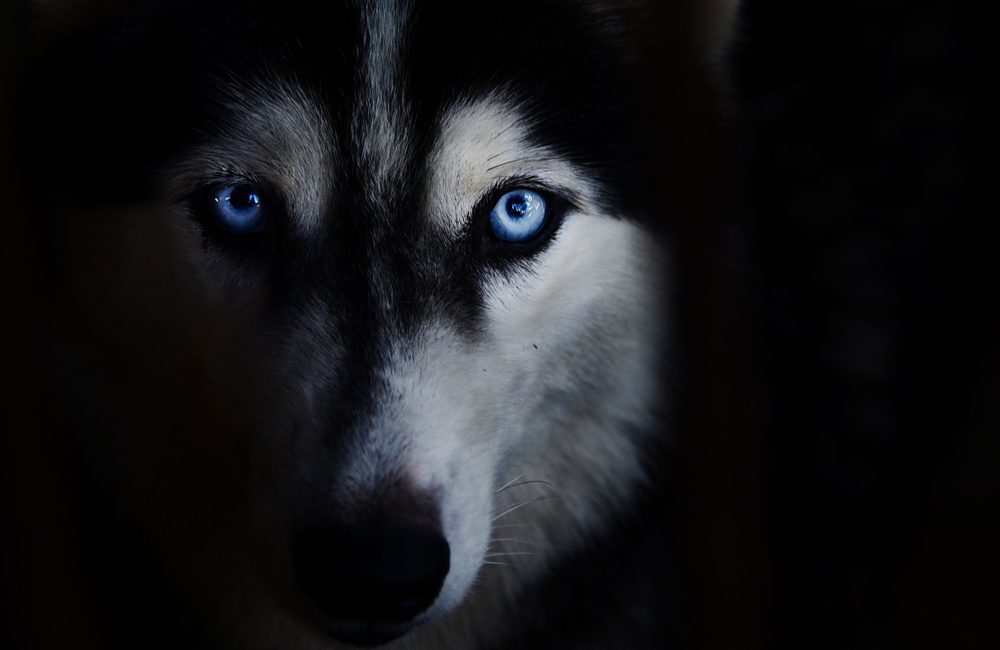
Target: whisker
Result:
[502, 131]
[509, 483]
[509, 554]
[496, 563]
[513, 485]
[522, 504]
[534, 159]
[517, 540]
[511, 526]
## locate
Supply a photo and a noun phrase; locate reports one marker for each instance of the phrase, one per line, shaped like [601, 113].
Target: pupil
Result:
[517, 206]
[244, 197]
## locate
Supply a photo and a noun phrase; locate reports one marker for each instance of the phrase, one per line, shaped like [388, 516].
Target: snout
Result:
[370, 580]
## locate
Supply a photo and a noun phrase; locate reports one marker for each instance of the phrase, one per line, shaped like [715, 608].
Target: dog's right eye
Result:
[518, 216]
[238, 208]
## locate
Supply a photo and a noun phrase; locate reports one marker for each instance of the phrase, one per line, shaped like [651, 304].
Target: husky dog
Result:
[355, 318]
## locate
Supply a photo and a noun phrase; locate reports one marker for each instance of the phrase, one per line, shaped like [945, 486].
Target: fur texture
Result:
[373, 352]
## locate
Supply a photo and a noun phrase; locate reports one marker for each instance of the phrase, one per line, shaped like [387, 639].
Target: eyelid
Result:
[559, 202]
[527, 223]
[212, 182]
[559, 197]
[199, 203]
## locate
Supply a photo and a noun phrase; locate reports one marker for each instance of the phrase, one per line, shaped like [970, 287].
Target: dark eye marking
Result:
[239, 208]
[519, 217]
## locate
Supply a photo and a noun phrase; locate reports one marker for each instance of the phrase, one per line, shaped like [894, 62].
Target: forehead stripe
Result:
[381, 123]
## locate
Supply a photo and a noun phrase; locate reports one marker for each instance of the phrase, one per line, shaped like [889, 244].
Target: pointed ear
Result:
[718, 21]
[69, 14]
[58, 10]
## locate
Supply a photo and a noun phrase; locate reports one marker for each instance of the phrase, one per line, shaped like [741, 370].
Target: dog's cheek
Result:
[134, 276]
[586, 376]
[154, 347]
[579, 321]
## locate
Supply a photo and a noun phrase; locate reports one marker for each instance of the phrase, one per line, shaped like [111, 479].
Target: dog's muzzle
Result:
[370, 580]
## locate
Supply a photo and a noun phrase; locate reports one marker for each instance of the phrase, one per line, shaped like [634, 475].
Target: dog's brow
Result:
[480, 142]
[277, 132]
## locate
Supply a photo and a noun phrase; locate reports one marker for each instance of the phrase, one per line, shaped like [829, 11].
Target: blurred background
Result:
[879, 509]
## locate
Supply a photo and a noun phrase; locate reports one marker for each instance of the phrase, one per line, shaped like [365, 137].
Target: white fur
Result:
[559, 390]
[382, 125]
[482, 142]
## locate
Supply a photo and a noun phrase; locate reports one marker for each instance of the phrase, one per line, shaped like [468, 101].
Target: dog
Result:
[355, 319]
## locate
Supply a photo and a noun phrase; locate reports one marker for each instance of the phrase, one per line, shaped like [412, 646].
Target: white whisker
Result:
[511, 526]
[514, 485]
[509, 483]
[517, 540]
[521, 505]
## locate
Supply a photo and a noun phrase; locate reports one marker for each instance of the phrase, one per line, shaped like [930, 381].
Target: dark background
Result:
[879, 514]
[864, 510]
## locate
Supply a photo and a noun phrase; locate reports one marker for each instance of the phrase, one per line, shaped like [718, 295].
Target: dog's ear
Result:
[57, 16]
[708, 25]
[717, 19]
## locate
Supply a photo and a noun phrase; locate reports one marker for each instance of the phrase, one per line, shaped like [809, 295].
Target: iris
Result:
[518, 215]
[238, 208]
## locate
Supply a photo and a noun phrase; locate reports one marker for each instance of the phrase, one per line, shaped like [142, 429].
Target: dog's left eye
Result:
[518, 215]
[239, 208]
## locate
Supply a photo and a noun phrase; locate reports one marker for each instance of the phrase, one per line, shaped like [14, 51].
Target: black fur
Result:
[107, 109]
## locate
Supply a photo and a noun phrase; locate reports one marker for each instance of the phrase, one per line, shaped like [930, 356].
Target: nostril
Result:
[379, 573]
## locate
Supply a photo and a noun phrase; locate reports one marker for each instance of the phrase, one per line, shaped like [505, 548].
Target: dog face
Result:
[376, 306]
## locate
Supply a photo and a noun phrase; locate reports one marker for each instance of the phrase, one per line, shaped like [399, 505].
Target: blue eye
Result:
[519, 215]
[238, 208]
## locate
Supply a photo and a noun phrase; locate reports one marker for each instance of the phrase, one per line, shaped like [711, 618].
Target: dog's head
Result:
[372, 288]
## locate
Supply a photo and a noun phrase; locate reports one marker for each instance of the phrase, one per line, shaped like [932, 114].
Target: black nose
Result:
[371, 579]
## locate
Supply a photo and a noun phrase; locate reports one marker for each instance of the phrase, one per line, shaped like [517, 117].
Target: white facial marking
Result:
[381, 125]
[593, 307]
[480, 143]
[557, 390]
[530, 437]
